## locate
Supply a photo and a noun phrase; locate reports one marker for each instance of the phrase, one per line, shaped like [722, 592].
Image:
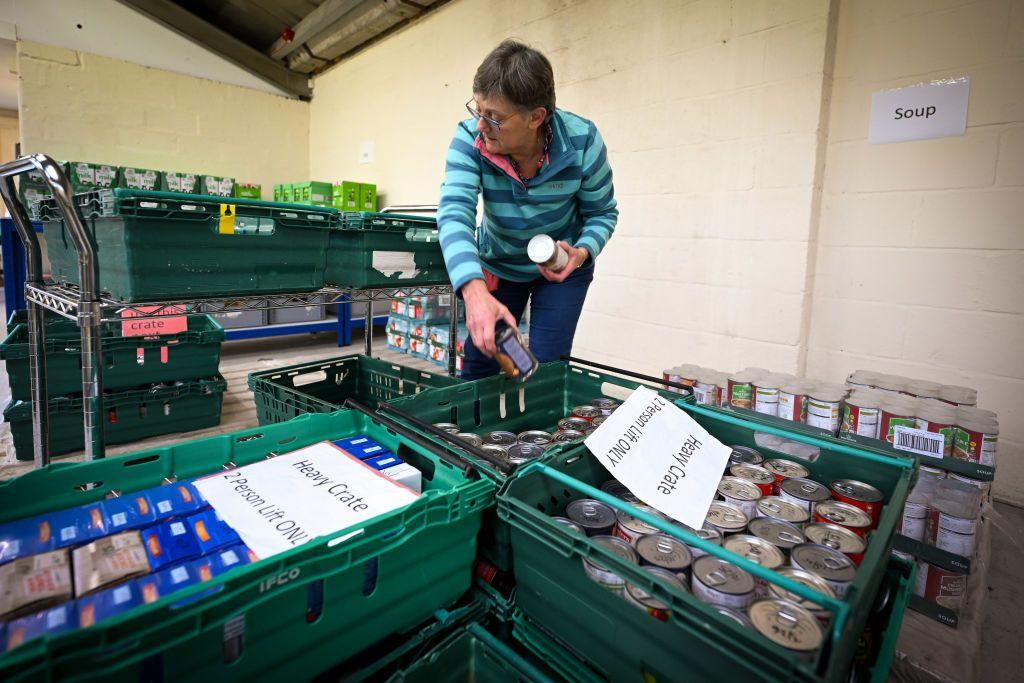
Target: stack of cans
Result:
[771, 512]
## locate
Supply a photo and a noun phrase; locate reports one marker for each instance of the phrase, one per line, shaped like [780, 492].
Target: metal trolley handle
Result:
[88, 310]
[686, 389]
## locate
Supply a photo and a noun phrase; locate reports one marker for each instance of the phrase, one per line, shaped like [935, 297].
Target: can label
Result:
[714, 596]
[749, 507]
[945, 588]
[792, 407]
[952, 542]
[626, 534]
[823, 414]
[659, 613]
[921, 582]
[741, 394]
[958, 525]
[766, 400]
[975, 446]
[605, 577]
[947, 431]
[913, 521]
[860, 421]
[888, 423]
[705, 394]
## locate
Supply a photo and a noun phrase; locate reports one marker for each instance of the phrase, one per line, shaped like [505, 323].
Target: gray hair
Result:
[520, 74]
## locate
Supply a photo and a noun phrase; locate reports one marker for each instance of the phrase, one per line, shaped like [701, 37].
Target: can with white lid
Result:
[823, 408]
[718, 582]
[831, 565]
[812, 581]
[838, 537]
[788, 625]
[941, 419]
[782, 535]
[766, 394]
[860, 415]
[804, 492]
[957, 395]
[705, 389]
[636, 595]
[976, 441]
[726, 518]
[793, 401]
[895, 413]
[742, 493]
[741, 390]
[602, 575]
[922, 389]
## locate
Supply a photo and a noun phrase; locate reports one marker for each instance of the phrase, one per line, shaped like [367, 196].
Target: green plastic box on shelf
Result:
[286, 617]
[496, 403]
[127, 361]
[324, 386]
[623, 642]
[162, 245]
[471, 653]
[130, 415]
[385, 250]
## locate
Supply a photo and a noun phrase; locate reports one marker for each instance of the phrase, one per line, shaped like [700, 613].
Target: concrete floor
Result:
[1002, 644]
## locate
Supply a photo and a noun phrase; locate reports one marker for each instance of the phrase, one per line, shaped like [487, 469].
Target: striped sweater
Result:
[570, 199]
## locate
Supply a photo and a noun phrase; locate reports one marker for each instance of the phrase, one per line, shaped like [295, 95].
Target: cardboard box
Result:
[216, 186]
[185, 183]
[367, 197]
[46, 622]
[247, 191]
[85, 176]
[34, 583]
[26, 537]
[109, 561]
[140, 178]
[346, 196]
[94, 608]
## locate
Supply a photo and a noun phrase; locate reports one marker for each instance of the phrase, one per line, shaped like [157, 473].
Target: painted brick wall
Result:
[920, 267]
[75, 105]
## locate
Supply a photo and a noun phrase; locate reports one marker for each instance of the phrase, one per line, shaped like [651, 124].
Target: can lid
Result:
[664, 551]
[863, 399]
[755, 549]
[805, 489]
[501, 438]
[785, 468]
[794, 386]
[787, 624]
[541, 248]
[523, 452]
[534, 436]
[566, 522]
[494, 449]
[835, 536]
[722, 576]
[740, 489]
[727, 516]
[616, 488]
[617, 547]
[857, 490]
[809, 579]
[899, 407]
[771, 381]
[738, 617]
[843, 514]
[826, 392]
[828, 563]
[630, 522]
[777, 531]
[590, 514]
[754, 473]
[779, 508]
[744, 455]
[641, 594]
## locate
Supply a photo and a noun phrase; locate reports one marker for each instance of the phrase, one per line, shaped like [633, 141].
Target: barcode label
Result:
[918, 441]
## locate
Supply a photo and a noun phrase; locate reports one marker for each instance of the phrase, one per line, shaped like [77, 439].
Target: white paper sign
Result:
[662, 455]
[920, 112]
[281, 503]
[919, 441]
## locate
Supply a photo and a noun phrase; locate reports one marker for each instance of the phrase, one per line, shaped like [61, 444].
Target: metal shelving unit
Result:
[90, 308]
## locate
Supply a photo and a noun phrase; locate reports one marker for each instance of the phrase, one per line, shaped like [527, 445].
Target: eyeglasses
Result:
[494, 123]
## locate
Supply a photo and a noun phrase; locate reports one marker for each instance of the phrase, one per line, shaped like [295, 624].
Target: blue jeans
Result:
[554, 312]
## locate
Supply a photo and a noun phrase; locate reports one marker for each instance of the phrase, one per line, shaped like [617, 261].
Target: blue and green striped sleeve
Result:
[456, 213]
[596, 196]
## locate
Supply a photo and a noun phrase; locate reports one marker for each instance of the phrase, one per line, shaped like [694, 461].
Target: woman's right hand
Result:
[483, 312]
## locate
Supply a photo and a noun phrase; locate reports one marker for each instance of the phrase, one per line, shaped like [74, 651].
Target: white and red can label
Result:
[705, 393]
[823, 414]
[766, 400]
[792, 407]
[975, 446]
[861, 421]
[952, 542]
[913, 521]
[945, 588]
[888, 422]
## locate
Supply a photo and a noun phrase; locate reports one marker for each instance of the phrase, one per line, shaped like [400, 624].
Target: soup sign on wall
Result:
[934, 110]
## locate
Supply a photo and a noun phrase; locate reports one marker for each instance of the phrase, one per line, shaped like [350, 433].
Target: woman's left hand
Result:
[577, 257]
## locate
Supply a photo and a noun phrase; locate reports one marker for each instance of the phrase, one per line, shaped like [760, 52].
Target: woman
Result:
[541, 170]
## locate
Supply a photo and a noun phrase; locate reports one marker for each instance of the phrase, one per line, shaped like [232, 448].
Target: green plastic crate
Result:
[161, 245]
[385, 250]
[192, 354]
[140, 178]
[624, 643]
[496, 403]
[398, 571]
[130, 415]
[473, 655]
[323, 386]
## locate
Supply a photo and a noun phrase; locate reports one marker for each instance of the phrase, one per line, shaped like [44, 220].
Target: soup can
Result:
[705, 533]
[937, 420]
[596, 518]
[500, 438]
[587, 413]
[812, 581]
[471, 439]
[782, 535]
[806, 493]
[567, 436]
[569, 524]
[575, 424]
[860, 416]
[913, 520]
[614, 487]
[726, 518]
[777, 508]
[860, 495]
[895, 414]
[843, 514]
[605, 405]
[743, 455]
[602, 575]
[764, 479]
[793, 401]
[524, 452]
[718, 582]
[742, 493]
[630, 529]
[739, 617]
[665, 552]
[839, 538]
[976, 441]
[787, 624]
[944, 587]
[823, 408]
[766, 395]
[758, 551]
[534, 436]
[784, 469]
[449, 427]
[637, 595]
[496, 451]
[835, 568]
[741, 390]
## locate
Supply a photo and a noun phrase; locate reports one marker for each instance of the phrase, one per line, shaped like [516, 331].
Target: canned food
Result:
[665, 552]
[742, 455]
[843, 514]
[524, 452]
[787, 624]
[742, 493]
[777, 508]
[726, 518]
[718, 582]
[598, 421]
[793, 401]
[764, 479]
[831, 565]
[606, 577]
[812, 581]
[895, 414]
[605, 405]
[952, 542]
[860, 416]
[512, 354]
[723, 390]
[587, 413]
[944, 587]
[806, 493]
[784, 469]
[823, 408]
[912, 521]
[496, 451]
[861, 495]
[705, 533]
[471, 439]
[535, 436]
[976, 441]
[766, 395]
[741, 390]
[777, 532]
[569, 524]
[575, 424]
[500, 438]
[614, 487]
[567, 436]
[596, 518]
[449, 427]
[757, 550]
[630, 528]
[938, 420]
[937, 519]
[838, 537]
[639, 596]
[737, 617]
[705, 389]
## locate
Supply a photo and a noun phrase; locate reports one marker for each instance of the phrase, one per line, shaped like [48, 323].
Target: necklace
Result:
[540, 162]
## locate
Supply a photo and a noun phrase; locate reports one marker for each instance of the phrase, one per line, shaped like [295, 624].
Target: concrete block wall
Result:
[711, 113]
[83, 107]
[920, 267]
